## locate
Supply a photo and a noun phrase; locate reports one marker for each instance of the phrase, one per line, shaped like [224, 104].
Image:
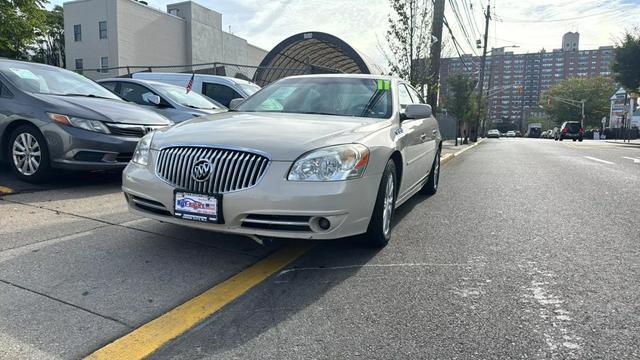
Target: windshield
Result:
[250, 89]
[339, 96]
[191, 99]
[51, 80]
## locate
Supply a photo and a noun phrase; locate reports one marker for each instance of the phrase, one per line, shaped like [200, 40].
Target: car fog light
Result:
[324, 223]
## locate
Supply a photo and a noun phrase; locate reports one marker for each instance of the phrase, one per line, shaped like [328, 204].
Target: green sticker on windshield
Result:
[384, 85]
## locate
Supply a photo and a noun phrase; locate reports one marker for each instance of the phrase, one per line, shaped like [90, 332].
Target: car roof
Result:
[136, 81]
[188, 75]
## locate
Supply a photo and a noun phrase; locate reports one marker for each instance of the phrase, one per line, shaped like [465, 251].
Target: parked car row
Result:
[51, 118]
[568, 130]
[310, 157]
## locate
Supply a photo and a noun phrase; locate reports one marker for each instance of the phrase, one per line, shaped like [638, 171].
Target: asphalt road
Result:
[531, 249]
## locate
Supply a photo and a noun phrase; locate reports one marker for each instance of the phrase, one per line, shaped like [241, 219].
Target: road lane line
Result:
[149, 337]
[635, 160]
[5, 190]
[600, 160]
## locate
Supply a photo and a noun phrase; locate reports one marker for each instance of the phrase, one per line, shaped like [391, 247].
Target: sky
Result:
[529, 24]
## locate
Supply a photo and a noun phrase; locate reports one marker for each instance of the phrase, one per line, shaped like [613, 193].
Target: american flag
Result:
[190, 83]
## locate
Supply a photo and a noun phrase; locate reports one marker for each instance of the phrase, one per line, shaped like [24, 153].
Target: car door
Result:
[412, 144]
[220, 92]
[139, 94]
[430, 130]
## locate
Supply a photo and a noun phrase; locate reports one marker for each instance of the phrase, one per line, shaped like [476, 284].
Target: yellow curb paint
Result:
[5, 190]
[445, 158]
[146, 339]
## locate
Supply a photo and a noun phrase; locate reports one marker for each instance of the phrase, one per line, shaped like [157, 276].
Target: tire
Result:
[379, 231]
[580, 139]
[574, 140]
[28, 155]
[431, 186]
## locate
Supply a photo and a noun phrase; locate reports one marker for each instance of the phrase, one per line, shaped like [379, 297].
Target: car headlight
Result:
[141, 154]
[332, 163]
[86, 124]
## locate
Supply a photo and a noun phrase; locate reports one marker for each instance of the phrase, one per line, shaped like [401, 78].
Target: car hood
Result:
[102, 109]
[283, 136]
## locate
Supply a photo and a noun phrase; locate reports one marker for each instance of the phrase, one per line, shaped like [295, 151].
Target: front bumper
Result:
[347, 205]
[77, 149]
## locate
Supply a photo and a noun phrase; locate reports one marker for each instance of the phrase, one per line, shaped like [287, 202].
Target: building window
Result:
[77, 33]
[104, 63]
[102, 29]
[79, 64]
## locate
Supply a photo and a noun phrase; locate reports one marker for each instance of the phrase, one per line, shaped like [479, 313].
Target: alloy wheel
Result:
[388, 205]
[27, 154]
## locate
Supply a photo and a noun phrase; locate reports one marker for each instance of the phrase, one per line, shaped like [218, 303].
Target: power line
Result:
[511, 20]
[461, 25]
[471, 16]
[456, 45]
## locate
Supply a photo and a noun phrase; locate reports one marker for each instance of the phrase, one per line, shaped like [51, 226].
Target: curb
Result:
[448, 157]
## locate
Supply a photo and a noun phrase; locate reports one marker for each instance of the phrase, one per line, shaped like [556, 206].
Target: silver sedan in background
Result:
[173, 102]
[313, 157]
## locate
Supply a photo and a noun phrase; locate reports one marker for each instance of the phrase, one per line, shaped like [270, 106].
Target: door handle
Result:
[434, 134]
[423, 137]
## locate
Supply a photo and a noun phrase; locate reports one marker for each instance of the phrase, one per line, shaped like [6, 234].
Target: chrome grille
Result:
[231, 170]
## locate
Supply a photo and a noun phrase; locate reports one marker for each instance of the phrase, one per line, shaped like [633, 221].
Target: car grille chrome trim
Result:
[132, 129]
[231, 169]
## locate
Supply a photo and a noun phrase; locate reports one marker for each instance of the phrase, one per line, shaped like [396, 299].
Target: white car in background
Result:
[222, 89]
[511, 133]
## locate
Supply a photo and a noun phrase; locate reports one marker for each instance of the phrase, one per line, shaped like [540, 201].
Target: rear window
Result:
[573, 126]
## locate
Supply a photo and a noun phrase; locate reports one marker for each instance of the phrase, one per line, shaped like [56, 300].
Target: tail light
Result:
[565, 130]
[581, 131]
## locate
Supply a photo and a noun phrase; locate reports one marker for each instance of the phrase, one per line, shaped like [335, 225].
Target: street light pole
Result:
[482, 65]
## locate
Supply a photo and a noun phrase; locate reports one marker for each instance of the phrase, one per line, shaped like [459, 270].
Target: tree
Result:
[49, 47]
[408, 40]
[595, 91]
[626, 62]
[459, 101]
[20, 22]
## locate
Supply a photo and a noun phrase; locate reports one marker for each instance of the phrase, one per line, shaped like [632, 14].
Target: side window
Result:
[111, 86]
[415, 95]
[135, 93]
[4, 92]
[403, 94]
[220, 93]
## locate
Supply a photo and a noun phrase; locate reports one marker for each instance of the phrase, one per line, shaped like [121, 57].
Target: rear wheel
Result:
[28, 154]
[379, 230]
[431, 186]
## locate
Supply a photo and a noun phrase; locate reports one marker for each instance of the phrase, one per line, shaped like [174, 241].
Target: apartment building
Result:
[515, 82]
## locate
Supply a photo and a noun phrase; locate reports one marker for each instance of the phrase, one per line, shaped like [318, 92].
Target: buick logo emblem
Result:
[201, 170]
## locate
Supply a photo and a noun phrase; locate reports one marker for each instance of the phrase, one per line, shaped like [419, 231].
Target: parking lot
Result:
[465, 275]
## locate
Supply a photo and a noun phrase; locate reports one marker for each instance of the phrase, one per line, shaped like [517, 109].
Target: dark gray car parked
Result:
[54, 118]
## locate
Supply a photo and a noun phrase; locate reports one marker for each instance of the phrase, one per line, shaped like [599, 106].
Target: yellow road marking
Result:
[146, 339]
[5, 190]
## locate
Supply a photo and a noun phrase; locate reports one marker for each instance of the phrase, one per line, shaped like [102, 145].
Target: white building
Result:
[120, 33]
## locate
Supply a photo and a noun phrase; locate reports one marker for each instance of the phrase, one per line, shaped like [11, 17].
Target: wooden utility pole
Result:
[436, 49]
[483, 61]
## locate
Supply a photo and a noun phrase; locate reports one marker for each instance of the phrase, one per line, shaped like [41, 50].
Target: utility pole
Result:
[482, 65]
[436, 49]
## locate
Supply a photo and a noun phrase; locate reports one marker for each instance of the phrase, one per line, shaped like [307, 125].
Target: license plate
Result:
[197, 207]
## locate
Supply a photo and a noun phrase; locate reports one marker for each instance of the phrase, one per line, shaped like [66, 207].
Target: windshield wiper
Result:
[317, 113]
[86, 95]
[195, 107]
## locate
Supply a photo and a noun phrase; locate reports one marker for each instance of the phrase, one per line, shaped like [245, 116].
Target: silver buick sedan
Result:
[309, 157]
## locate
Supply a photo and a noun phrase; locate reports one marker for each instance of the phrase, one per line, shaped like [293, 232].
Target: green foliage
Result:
[626, 62]
[460, 101]
[49, 47]
[536, 120]
[408, 40]
[20, 22]
[595, 91]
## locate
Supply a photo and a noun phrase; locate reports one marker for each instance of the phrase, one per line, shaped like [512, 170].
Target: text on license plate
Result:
[197, 207]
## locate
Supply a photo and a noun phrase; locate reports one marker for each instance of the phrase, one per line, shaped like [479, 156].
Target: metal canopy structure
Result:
[309, 53]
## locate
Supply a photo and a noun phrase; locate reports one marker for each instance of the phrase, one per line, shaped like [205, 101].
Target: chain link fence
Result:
[259, 75]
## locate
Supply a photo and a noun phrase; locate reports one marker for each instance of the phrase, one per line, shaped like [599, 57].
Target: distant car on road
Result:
[493, 134]
[54, 118]
[518, 133]
[511, 133]
[171, 101]
[222, 89]
[570, 130]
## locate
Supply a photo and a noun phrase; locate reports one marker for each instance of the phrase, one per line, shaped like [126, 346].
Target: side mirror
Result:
[235, 102]
[417, 111]
[154, 99]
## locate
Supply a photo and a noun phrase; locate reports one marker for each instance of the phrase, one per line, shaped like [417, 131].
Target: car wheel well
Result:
[397, 159]
[6, 134]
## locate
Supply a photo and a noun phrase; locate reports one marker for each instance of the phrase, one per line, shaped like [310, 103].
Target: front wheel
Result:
[28, 154]
[379, 230]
